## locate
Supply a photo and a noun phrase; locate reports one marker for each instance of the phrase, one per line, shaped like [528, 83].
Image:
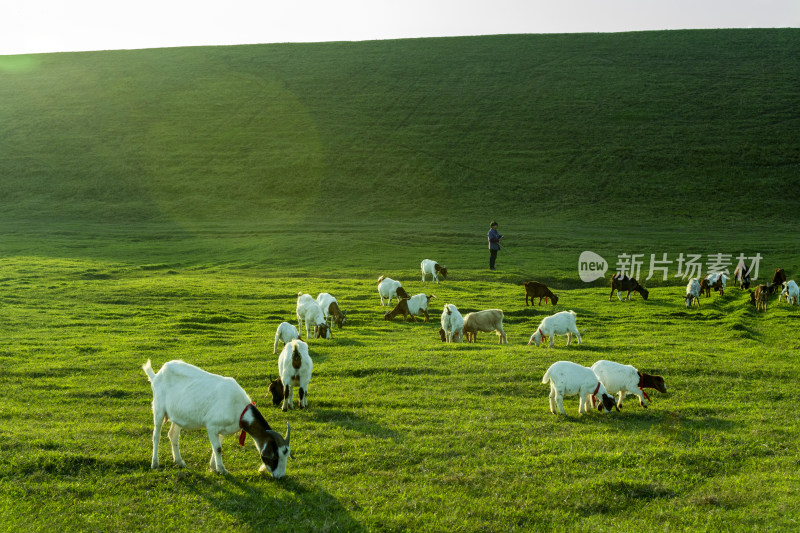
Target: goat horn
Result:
[288, 429]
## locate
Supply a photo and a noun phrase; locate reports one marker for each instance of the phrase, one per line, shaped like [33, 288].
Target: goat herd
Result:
[191, 398]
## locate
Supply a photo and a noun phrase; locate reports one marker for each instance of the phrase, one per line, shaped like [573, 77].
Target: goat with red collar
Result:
[569, 379]
[192, 398]
[562, 323]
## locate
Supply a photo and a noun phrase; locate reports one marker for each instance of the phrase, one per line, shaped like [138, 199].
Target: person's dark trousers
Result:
[492, 258]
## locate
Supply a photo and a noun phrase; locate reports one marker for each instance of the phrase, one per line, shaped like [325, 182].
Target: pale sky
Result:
[40, 26]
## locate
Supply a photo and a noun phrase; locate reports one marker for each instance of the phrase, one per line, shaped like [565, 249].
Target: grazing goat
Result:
[692, 292]
[624, 379]
[713, 281]
[761, 297]
[192, 398]
[275, 390]
[389, 288]
[309, 311]
[568, 379]
[534, 289]
[330, 309]
[487, 320]
[295, 367]
[452, 324]
[417, 304]
[621, 282]
[285, 333]
[779, 277]
[741, 276]
[791, 291]
[433, 268]
[562, 323]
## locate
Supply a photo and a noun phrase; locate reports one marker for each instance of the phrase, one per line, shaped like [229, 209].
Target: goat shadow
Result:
[253, 501]
[351, 421]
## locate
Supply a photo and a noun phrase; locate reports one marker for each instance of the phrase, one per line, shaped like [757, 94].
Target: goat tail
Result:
[148, 369]
[573, 313]
[546, 378]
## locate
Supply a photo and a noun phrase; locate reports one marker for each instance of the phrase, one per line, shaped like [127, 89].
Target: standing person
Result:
[494, 243]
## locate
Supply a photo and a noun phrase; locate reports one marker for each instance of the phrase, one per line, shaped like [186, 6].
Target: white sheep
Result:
[623, 379]
[692, 292]
[285, 334]
[568, 379]
[309, 311]
[428, 266]
[389, 288]
[295, 367]
[192, 398]
[791, 292]
[452, 324]
[562, 323]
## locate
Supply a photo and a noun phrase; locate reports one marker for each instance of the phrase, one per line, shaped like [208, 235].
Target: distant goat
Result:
[791, 291]
[452, 324]
[716, 282]
[624, 379]
[488, 320]
[534, 289]
[389, 288]
[620, 282]
[285, 333]
[741, 276]
[417, 304]
[568, 379]
[562, 323]
[192, 398]
[433, 268]
[692, 292]
[330, 309]
[761, 297]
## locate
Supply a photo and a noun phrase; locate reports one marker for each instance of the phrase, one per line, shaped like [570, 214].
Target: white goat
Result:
[389, 288]
[562, 323]
[330, 309]
[452, 324]
[568, 379]
[295, 366]
[433, 268]
[309, 311]
[487, 320]
[692, 292]
[624, 379]
[192, 398]
[285, 334]
[791, 291]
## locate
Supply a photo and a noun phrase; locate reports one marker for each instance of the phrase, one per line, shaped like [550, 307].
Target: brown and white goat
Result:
[487, 320]
[534, 289]
[741, 276]
[433, 268]
[716, 282]
[417, 304]
[625, 283]
[330, 309]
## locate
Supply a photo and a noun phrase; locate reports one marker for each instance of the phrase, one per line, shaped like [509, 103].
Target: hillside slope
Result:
[607, 128]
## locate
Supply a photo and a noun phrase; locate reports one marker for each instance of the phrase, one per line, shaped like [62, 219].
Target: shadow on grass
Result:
[349, 420]
[266, 504]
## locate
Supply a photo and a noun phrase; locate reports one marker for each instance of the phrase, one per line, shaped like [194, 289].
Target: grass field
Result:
[171, 204]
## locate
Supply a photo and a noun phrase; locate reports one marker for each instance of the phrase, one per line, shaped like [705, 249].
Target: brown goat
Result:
[625, 283]
[762, 297]
[778, 280]
[534, 289]
[336, 314]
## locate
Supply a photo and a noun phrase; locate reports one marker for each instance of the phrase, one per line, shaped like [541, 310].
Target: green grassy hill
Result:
[697, 126]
